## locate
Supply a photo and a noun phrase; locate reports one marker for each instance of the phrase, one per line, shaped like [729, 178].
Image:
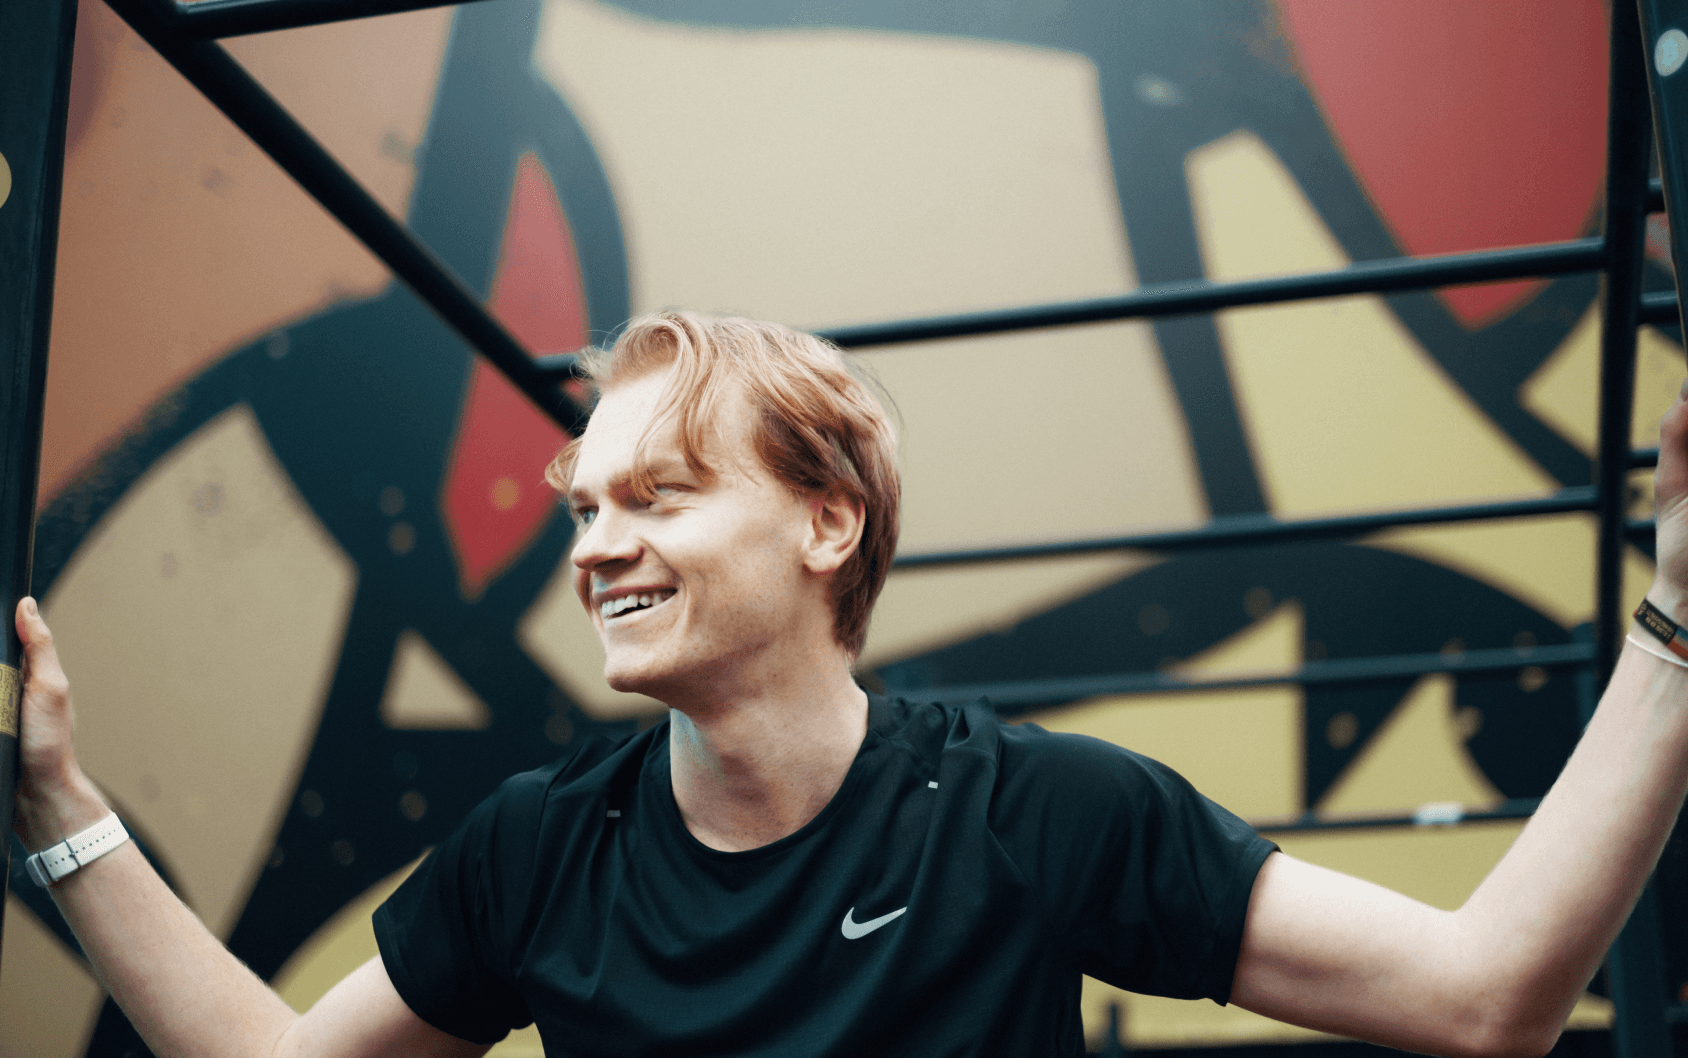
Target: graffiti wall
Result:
[310, 586]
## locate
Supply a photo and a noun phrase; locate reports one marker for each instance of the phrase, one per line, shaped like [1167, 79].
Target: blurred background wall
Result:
[310, 586]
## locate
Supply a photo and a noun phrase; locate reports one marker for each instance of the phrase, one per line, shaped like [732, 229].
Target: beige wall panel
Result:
[424, 692]
[1241, 748]
[1344, 410]
[1564, 392]
[179, 239]
[912, 174]
[1055, 435]
[201, 622]
[38, 974]
[1546, 562]
[1417, 757]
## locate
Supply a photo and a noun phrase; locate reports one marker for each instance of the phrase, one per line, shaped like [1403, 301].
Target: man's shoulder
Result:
[933, 727]
[591, 767]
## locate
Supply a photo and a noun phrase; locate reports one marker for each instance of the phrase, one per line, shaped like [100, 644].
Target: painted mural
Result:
[311, 588]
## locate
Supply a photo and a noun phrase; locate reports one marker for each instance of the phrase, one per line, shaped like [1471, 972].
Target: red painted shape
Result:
[1470, 125]
[495, 498]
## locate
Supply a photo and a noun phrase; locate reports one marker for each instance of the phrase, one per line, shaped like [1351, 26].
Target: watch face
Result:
[295, 543]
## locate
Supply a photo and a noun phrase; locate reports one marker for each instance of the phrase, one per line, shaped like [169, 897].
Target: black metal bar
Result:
[1515, 808]
[1655, 195]
[1641, 458]
[211, 19]
[1660, 308]
[1626, 219]
[222, 80]
[1175, 299]
[558, 367]
[1019, 694]
[1262, 529]
[35, 54]
[1633, 966]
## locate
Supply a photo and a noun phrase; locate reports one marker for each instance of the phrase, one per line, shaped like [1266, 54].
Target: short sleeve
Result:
[448, 934]
[1146, 880]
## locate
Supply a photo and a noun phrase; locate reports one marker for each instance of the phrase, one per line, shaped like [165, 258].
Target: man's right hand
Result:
[179, 986]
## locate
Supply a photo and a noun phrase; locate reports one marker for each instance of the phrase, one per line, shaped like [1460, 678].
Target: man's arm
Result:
[180, 987]
[1500, 975]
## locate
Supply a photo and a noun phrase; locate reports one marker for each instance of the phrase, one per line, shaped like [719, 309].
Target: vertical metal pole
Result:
[1663, 48]
[1626, 219]
[35, 50]
[1634, 966]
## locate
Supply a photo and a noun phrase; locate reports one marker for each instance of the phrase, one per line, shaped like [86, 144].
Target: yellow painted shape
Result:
[1546, 563]
[39, 975]
[1564, 392]
[5, 180]
[201, 621]
[1053, 435]
[1344, 410]
[1241, 748]
[1416, 757]
[424, 692]
[347, 941]
[924, 609]
[820, 175]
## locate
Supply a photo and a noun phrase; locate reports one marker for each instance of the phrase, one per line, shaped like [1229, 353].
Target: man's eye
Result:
[585, 515]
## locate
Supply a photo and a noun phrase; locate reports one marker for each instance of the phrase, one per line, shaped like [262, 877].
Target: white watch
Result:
[54, 863]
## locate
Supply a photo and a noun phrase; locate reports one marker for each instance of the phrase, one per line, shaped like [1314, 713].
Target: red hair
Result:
[819, 430]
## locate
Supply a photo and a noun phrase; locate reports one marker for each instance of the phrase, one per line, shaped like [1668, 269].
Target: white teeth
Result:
[611, 607]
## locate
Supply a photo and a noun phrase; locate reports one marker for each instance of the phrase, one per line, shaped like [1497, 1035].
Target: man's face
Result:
[705, 586]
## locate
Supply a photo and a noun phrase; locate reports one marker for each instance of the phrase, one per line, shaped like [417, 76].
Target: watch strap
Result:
[52, 864]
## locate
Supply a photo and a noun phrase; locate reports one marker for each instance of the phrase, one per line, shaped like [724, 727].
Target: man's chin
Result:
[633, 679]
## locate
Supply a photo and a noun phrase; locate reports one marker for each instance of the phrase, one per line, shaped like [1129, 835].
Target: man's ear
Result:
[835, 531]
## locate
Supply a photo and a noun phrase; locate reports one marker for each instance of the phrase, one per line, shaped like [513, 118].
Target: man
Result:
[790, 866]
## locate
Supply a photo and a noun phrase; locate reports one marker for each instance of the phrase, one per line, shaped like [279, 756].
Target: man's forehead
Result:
[623, 429]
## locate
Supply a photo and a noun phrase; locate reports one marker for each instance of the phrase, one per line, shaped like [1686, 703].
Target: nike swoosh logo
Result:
[853, 929]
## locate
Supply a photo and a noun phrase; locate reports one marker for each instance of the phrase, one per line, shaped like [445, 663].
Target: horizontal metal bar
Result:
[1660, 308]
[211, 19]
[1173, 299]
[1655, 195]
[1643, 457]
[1515, 808]
[1263, 529]
[1021, 694]
[245, 102]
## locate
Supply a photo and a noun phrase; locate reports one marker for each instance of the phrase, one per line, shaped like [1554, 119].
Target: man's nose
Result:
[604, 540]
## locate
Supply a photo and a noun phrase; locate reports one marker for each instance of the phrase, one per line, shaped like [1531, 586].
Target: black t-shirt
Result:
[945, 902]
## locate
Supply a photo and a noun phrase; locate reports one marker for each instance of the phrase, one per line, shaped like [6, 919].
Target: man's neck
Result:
[757, 768]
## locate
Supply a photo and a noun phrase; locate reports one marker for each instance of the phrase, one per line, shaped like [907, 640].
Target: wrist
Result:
[48, 811]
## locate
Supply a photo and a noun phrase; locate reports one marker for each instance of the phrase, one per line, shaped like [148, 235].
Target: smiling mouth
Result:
[626, 604]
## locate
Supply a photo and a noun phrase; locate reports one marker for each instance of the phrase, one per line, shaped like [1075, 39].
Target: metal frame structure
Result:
[186, 34]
